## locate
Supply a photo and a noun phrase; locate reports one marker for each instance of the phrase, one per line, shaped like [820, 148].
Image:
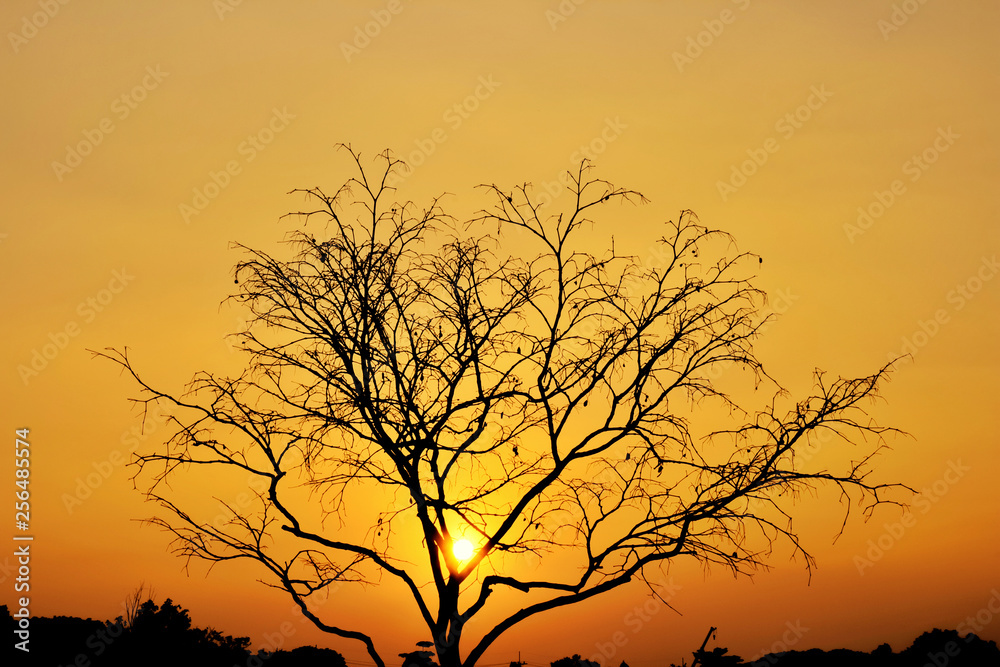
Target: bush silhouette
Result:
[717, 658]
[162, 635]
[305, 656]
[947, 647]
[575, 661]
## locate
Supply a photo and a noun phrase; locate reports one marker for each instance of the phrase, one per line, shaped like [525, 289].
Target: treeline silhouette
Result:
[154, 636]
[936, 648]
[163, 635]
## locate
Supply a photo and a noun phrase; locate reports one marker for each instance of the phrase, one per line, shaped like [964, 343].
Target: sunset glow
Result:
[848, 147]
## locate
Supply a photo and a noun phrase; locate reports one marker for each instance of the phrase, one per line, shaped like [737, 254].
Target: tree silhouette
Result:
[573, 661]
[541, 405]
[304, 656]
[717, 657]
[164, 635]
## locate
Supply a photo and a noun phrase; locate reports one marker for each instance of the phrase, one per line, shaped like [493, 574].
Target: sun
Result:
[462, 549]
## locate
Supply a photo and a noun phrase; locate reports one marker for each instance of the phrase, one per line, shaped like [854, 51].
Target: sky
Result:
[852, 144]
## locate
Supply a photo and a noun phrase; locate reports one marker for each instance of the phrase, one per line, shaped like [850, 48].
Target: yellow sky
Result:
[140, 139]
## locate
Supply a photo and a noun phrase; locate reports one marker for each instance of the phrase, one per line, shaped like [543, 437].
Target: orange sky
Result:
[776, 121]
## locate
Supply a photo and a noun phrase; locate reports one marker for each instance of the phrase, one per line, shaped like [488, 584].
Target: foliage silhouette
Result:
[164, 635]
[939, 648]
[717, 657]
[160, 635]
[304, 656]
[52, 641]
[62, 640]
[419, 658]
[574, 661]
[535, 405]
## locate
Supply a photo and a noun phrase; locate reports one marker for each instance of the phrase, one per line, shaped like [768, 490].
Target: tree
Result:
[535, 406]
[573, 661]
[133, 603]
[164, 635]
[717, 657]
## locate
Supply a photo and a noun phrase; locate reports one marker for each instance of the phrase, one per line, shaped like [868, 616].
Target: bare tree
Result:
[541, 405]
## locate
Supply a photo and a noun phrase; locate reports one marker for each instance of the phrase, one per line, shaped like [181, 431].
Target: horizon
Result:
[277, 642]
[851, 145]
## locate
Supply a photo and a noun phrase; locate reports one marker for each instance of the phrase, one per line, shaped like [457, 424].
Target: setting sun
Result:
[462, 549]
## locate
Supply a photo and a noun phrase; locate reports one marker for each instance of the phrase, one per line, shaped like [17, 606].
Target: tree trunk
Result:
[448, 654]
[450, 625]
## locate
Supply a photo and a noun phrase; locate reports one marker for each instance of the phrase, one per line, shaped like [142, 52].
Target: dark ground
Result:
[163, 635]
